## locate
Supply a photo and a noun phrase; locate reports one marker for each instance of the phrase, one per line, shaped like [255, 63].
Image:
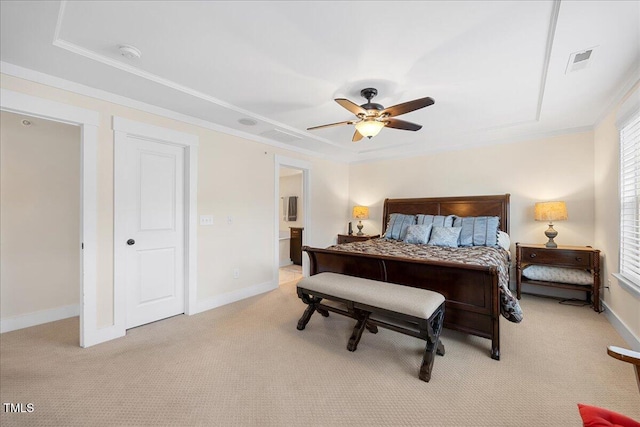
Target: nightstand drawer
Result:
[557, 257]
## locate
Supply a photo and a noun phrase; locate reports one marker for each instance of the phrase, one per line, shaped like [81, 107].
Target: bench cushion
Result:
[416, 302]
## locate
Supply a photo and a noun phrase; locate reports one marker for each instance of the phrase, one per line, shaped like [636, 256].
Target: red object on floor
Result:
[592, 416]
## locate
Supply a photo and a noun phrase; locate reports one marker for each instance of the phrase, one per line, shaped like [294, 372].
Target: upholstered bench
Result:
[411, 311]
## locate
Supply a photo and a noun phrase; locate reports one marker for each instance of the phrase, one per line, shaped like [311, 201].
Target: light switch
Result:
[206, 219]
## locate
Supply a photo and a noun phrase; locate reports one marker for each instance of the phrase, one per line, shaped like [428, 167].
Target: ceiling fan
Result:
[373, 117]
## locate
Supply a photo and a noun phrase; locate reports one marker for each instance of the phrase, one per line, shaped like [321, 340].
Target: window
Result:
[630, 200]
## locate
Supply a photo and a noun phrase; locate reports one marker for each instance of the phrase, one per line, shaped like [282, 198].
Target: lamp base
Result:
[359, 233]
[551, 234]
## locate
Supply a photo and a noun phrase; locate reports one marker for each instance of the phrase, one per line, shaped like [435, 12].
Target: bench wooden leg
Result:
[306, 316]
[372, 328]
[325, 313]
[434, 345]
[358, 330]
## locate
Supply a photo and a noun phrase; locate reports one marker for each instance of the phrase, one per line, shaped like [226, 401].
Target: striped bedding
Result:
[476, 255]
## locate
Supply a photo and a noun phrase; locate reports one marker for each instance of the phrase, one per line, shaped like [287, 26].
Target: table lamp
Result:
[360, 213]
[550, 211]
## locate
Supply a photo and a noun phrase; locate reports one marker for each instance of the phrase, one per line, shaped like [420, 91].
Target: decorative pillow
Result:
[478, 230]
[397, 226]
[418, 234]
[504, 241]
[445, 236]
[592, 416]
[558, 274]
[439, 220]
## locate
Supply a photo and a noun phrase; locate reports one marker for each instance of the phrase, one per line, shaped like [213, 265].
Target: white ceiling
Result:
[496, 69]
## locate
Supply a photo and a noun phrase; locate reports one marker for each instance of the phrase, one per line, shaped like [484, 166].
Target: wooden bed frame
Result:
[471, 291]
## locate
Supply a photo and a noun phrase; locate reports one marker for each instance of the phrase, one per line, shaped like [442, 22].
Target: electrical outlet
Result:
[236, 273]
[229, 220]
[206, 219]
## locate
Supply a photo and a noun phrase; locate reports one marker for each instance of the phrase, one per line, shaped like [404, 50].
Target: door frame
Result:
[123, 129]
[305, 167]
[88, 122]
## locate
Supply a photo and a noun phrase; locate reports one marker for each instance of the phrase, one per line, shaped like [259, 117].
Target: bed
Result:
[476, 291]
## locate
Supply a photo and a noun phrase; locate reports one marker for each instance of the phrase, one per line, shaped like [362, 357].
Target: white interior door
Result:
[152, 221]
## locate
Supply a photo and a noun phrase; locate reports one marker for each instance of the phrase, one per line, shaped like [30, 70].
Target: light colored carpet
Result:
[246, 364]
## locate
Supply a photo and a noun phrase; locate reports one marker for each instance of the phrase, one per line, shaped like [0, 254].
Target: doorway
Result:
[87, 121]
[292, 225]
[40, 221]
[155, 247]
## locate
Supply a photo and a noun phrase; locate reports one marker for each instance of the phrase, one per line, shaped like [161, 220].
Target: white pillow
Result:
[503, 240]
[558, 274]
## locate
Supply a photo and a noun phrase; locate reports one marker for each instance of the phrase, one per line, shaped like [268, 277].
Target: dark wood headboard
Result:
[461, 206]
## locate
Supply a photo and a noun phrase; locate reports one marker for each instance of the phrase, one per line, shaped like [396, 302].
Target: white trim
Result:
[38, 318]
[305, 166]
[156, 133]
[122, 129]
[88, 121]
[56, 82]
[627, 285]
[553, 23]
[18, 102]
[621, 327]
[629, 109]
[233, 296]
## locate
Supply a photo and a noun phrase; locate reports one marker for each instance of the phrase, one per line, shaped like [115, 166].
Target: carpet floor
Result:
[245, 364]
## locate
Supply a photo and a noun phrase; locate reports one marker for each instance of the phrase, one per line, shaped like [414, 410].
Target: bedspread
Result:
[475, 255]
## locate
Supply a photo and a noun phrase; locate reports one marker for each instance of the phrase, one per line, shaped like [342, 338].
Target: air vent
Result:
[278, 135]
[580, 60]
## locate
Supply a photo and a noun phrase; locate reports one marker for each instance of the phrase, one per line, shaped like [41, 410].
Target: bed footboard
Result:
[471, 291]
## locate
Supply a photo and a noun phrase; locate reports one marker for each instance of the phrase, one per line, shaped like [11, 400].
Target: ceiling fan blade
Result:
[401, 124]
[354, 108]
[407, 107]
[357, 136]
[348, 122]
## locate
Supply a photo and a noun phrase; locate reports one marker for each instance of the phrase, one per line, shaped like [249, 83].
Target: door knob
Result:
[131, 242]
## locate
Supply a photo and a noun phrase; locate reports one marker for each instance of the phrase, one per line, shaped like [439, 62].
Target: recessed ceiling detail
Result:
[496, 69]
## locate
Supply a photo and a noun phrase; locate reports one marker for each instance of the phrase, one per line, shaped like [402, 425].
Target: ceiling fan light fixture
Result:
[369, 127]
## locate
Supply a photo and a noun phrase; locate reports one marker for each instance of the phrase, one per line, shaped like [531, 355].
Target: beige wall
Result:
[39, 215]
[558, 168]
[224, 189]
[606, 168]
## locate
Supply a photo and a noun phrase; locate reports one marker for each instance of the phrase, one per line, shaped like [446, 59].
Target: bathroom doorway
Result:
[292, 230]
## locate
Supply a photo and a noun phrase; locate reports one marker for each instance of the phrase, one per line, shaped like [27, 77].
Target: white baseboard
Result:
[286, 263]
[38, 318]
[621, 327]
[234, 296]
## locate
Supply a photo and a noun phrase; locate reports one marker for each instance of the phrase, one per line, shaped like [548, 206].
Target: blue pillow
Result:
[397, 226]
[439, 220]
[478, 230]
[445, 236]
[418, 234]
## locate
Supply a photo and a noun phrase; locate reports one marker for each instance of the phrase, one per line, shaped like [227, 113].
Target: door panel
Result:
[157, 191]
[157, 275]
[153, 218]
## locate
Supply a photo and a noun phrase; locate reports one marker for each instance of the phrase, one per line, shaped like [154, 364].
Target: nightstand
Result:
[348, 238]
[578, 257]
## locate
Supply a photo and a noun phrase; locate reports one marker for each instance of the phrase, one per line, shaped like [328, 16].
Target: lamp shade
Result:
[550, 211]
[369, 127]
[361, 212]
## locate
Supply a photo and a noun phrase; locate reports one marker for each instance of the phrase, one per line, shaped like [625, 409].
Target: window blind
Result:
[630, 200]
